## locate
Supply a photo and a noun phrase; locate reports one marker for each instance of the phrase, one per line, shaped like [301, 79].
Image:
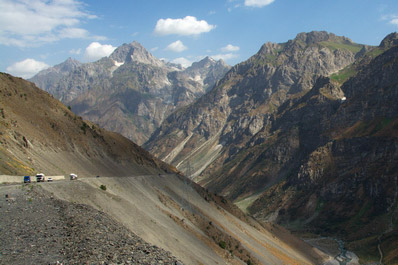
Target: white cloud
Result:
[154, 49]
[394, 21]
[31, 23]
[225, 56]
[182, 26]
[26, 68]
[230, 48]
[176, 46]
[96, 51]
[73, 33]
[258, 3]
[75, 51]
[183, 61]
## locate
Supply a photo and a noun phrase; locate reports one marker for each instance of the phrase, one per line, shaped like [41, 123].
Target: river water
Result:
[334, 247]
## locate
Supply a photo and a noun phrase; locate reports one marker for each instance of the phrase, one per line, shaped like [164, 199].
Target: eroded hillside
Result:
[38, 133]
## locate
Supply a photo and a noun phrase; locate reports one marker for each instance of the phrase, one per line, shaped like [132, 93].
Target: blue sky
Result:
[35, 34]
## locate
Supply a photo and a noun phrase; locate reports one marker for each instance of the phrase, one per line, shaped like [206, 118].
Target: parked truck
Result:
[73, 176]
[26, 179]
[40, 177]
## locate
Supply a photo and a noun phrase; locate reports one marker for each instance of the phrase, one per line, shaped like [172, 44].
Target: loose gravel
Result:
[36, 228]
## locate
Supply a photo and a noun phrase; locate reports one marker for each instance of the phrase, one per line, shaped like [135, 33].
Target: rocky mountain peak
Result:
[268, 48]
[320, 36]
[389, 41]
[134, 52]
[69, 65]
[221, 62]
[70, 62]
[205, 62]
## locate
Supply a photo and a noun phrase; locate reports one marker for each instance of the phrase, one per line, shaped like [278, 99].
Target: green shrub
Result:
[249, 262]
[222, 244]
[103, 187]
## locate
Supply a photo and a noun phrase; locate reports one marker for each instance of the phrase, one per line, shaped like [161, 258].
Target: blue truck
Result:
[26, 179]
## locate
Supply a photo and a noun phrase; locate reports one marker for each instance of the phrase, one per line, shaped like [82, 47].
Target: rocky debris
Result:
[36, 228]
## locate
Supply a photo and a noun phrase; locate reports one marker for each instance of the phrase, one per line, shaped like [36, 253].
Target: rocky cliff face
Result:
[307, 151]
[131, 91]
[341, 177]
[219, 124]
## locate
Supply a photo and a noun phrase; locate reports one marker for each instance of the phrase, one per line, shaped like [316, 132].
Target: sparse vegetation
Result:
[222, 244]
[341, 46]
[103, 187]
[344, 74]
[249, 262]
[84, 127]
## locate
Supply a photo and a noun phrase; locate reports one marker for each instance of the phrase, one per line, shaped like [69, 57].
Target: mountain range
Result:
[121, 189]
[131, 91]
[303, 133]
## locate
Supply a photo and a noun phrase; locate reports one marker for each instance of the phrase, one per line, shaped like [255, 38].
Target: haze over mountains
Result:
[303, 133]
[131, 91]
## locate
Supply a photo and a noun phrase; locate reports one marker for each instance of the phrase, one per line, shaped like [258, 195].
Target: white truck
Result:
[40, 177]
[73, 176]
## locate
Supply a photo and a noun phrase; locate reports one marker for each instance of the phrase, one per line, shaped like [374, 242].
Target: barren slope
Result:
[38, 133]
[168, 212]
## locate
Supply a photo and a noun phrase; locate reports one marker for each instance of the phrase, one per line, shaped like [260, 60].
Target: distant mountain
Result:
[304, 133]
[130, 91]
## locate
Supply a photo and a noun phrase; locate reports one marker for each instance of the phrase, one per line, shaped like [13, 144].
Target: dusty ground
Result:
[37, 228]
[139, 204]
[78, 221]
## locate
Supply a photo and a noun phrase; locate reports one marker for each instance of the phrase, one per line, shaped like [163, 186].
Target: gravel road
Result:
[36, 228]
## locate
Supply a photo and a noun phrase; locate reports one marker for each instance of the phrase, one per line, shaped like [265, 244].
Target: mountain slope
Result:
[131, 91]
[38, 133]
[220, 123]
[316, 155]
[340, 176]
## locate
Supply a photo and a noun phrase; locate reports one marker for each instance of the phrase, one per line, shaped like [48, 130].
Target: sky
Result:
[37, 34]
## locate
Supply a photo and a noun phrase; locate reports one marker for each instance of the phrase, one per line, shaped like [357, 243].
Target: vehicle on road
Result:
[26, 179]
[73, 176]
[49, 179]
[40, 177]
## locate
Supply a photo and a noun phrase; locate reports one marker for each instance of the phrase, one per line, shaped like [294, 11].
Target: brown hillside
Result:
[38, 133]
